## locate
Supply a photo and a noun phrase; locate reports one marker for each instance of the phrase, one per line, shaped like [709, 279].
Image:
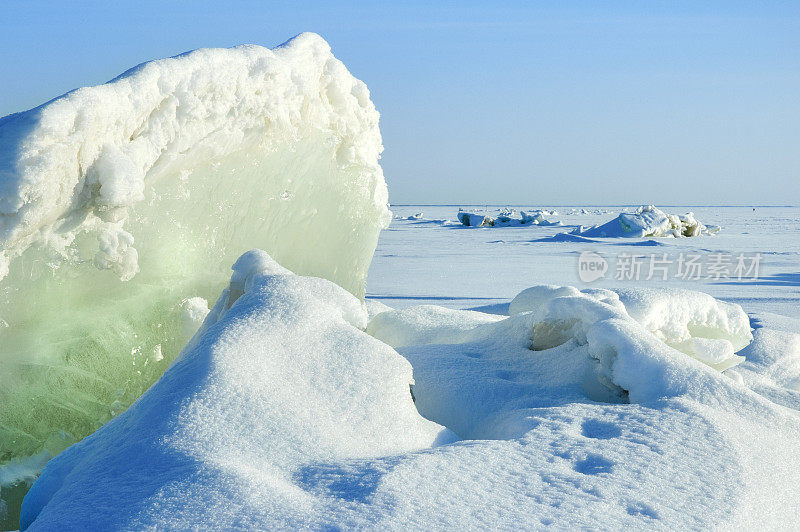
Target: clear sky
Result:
[674, 102]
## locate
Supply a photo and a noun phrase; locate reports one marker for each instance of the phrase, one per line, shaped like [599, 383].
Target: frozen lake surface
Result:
[448, 264]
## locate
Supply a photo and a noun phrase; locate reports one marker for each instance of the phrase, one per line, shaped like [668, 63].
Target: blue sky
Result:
[494, 102]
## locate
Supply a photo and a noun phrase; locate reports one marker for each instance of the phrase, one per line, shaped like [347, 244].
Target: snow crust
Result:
[122, 202]
[279, 390]
[426, 324]
[648, 221]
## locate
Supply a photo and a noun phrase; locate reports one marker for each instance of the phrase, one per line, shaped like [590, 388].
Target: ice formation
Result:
[246, 419]
[506, 218]
[694, 323]
[121, 203]
[648, 221]
[472, 219]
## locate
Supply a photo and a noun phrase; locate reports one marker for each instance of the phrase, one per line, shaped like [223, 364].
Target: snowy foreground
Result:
[581, 408]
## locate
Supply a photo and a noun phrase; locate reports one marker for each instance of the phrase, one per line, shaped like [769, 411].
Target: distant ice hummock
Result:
[648, 221]
[123, 205]
[505, 218]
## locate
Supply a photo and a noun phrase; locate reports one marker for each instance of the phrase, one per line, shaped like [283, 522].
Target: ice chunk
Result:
[532, 218]
[472, 219]
[692, 322]
[537, 218]
[161, 178]
[648, 221]
[279, 383]
[505, 218]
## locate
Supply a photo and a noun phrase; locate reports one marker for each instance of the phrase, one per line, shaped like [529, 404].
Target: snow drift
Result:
[648, 221]
[279, 385]
[590, 409]
[693, 323]
[123, 205]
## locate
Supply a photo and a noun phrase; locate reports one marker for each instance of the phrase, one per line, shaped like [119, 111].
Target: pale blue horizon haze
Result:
[671, 103]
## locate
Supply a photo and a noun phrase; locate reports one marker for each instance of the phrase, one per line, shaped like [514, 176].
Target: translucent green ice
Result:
[122, 204]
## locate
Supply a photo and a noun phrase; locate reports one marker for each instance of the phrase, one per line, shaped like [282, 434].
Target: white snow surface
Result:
[464, 268]
[628, 406]
[279, 402]
[574, 411]
[599, 423]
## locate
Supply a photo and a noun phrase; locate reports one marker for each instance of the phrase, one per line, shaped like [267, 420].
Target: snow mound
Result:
[598, 416]
[680, 322]
[279, 385]
[120, 202]
[773, 365]
[648, 221]
[694, 323]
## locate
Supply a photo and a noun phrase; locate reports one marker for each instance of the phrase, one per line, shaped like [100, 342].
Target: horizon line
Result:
[575, 205]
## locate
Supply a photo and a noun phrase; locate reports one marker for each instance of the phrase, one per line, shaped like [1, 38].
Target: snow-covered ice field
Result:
[185, 341]
[427, 261]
